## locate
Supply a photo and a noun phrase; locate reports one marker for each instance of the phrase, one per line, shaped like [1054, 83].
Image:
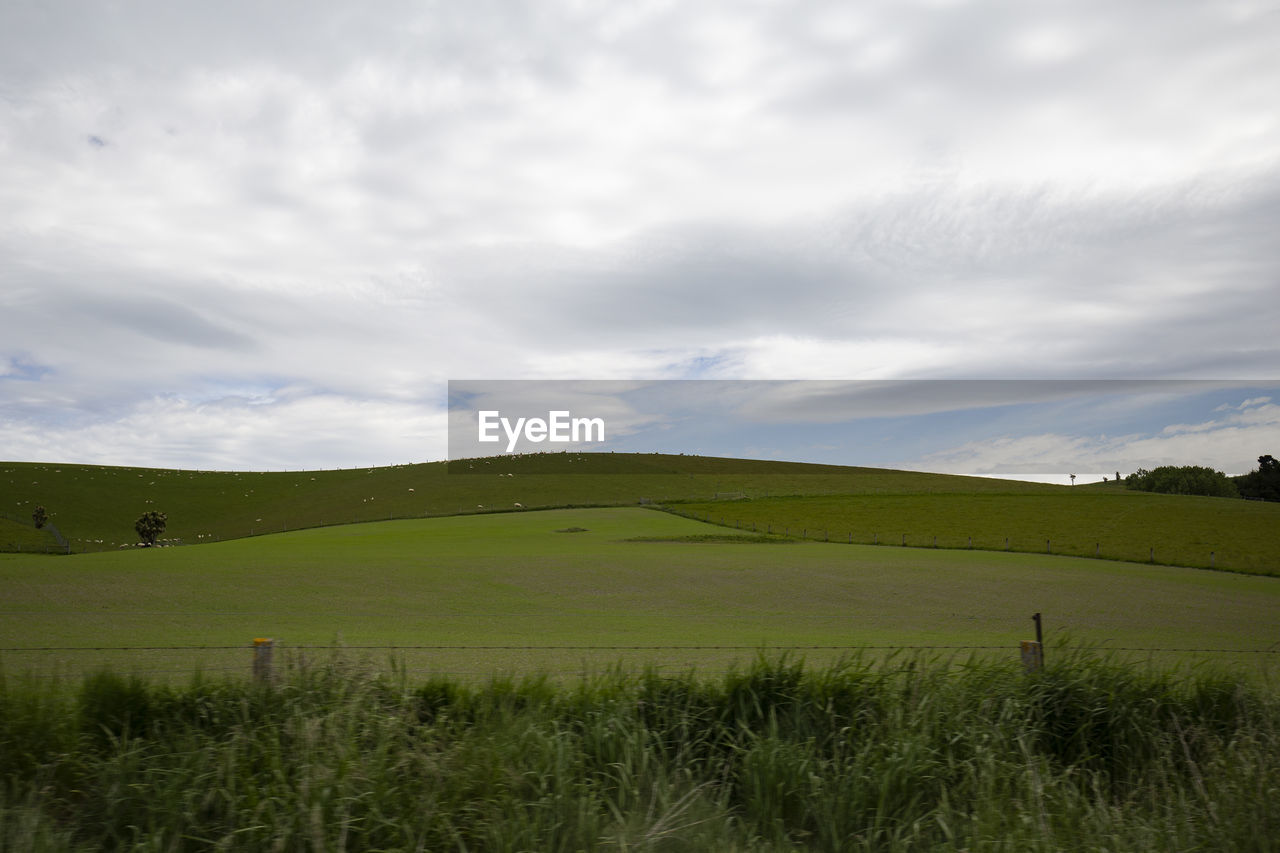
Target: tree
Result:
[40, 516]
[1264, 482]
[1183, 480]
[150, 525]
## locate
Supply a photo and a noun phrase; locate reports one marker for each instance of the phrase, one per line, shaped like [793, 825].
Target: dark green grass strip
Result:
[910, 754]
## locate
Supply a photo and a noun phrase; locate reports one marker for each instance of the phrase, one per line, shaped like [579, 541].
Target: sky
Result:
[266, 236]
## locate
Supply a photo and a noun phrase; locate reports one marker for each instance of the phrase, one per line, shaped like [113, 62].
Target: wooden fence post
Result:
[1032, 656]
[262, 648]
[1033, 650]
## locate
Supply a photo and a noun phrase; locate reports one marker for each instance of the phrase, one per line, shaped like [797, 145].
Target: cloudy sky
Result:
[266, 235]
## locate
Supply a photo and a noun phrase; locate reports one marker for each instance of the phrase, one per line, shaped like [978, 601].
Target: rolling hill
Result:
[95, 506]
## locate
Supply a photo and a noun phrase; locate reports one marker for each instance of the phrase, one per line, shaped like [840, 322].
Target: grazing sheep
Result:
[519, 505]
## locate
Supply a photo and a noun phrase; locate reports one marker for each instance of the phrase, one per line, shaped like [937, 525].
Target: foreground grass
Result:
[904, 755]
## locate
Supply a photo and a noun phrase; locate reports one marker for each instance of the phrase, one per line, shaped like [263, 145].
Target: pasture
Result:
[573, 590]
[1183, 530]
[621, 677]
[94, 507]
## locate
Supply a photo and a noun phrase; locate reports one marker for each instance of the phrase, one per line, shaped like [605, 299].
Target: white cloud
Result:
[268, 434]
[1231, 444]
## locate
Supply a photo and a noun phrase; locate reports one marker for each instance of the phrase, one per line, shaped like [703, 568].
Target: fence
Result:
[264, 658]
[34, 543]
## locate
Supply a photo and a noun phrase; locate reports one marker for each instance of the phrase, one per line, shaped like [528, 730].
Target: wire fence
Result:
[478, 660]
[36, 540]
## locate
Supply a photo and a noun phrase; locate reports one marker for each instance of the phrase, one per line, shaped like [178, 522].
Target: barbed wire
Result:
[688, 648]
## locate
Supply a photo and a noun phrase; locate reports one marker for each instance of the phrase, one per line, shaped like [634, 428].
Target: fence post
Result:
[1211, 553]
[262, 648]
[1032, 656]
[1033, 650]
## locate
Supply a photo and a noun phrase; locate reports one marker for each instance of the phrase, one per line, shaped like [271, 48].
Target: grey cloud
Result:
[1130, 285]
[162, 319]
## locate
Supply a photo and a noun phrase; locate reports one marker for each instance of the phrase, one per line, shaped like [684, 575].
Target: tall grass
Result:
[908, 754]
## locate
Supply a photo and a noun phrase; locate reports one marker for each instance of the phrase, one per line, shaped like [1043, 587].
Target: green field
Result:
[579, 578]
[1119, 525]
[95, 506]
[612, 673]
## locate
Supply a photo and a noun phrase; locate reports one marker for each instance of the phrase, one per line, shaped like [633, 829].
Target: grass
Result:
[515, 581]
[903, 755]
[17, 536]
[1120, 525]
[95, 506]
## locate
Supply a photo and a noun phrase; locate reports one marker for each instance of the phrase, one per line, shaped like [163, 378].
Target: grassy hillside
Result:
[95, 506]
[21, 536]
[613, 577]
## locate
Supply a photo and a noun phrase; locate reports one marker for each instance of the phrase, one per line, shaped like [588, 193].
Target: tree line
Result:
[1263, 483]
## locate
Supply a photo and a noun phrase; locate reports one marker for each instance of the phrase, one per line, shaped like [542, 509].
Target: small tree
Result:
[150, 525]
[40, 516]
